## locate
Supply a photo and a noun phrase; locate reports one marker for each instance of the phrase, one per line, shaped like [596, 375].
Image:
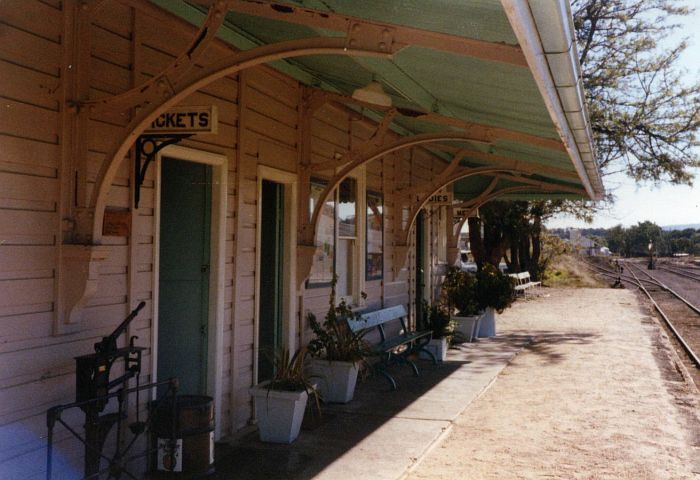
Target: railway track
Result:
[683, 272]
[680, 316]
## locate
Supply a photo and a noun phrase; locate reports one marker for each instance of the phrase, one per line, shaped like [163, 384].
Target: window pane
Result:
[322, 266]
[347, 208]
[344, 266]
[375, 236]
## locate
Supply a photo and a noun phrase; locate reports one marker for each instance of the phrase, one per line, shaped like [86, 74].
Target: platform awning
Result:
[505, 70]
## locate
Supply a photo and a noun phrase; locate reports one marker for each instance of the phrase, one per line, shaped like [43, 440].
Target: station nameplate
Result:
[186, 120]
[440, 199]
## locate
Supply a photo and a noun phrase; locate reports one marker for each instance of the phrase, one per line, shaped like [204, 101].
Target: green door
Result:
[183, 298]
[270, 306]
[420, 271]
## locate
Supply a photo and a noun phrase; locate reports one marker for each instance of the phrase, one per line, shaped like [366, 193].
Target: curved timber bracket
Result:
[195, 80]
[78, 279]
[161, 85]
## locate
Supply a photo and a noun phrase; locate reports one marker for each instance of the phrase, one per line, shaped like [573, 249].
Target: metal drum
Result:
[183, 445]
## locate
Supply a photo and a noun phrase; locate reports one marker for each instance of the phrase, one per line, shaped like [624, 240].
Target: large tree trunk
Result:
[475, 242]
[536, 246]
[494, 244]
[513, 262]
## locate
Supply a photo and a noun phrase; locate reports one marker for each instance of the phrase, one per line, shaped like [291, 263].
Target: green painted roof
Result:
[470, 89]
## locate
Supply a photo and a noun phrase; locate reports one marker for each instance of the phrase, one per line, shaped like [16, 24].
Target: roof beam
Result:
[506, 162]
[398, 34]
[488, 132]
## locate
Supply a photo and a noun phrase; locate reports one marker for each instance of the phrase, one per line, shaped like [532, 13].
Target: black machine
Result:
[93, 386]
[94, 390]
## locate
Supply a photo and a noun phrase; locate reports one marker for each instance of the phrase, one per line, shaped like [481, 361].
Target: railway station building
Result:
[222, 160]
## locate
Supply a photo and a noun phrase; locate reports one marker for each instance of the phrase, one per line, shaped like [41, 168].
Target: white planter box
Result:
[468, 326]
[335, 381]
[487, 328]
[279, 413]
[438, 347]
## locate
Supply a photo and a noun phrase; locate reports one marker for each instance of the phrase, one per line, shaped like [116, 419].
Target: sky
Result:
[662, 204]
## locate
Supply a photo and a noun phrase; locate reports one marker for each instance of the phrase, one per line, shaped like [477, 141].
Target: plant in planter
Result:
[338, 351]
[280, 403]
[459, 294]
[495, 292]
[438, 320]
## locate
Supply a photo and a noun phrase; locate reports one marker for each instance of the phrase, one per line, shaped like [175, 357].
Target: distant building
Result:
[584, 245]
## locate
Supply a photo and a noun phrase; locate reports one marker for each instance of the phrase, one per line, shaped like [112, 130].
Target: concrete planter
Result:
[468, 326]
[438, 347]
[487, 328]
[279, 413]
[335, 380]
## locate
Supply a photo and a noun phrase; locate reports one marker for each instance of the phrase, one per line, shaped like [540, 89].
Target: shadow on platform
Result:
[380, 426]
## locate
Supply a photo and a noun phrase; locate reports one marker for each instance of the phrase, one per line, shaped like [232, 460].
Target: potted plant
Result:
[438, 321]
[459, 294]
[495, 292]
[337, 352]
[280, 403]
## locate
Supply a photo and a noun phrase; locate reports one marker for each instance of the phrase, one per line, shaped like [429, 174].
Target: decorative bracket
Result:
[79, 276]
[147, 147]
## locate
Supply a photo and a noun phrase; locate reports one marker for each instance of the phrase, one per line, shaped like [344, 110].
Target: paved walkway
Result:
[578, 384]
[595, 396]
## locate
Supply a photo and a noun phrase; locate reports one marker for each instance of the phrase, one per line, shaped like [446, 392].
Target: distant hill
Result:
[669, 228]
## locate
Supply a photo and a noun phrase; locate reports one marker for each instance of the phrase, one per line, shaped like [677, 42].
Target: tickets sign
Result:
[186, 120]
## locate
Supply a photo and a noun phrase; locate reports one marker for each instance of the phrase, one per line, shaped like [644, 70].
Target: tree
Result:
[643, 115]
[644, 119]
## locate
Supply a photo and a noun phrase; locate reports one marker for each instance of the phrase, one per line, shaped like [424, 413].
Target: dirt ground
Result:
[599, 394]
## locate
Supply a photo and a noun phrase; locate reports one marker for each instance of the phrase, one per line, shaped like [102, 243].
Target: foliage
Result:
[644, 112]
[438, 320]
[634, 241]
[459, 292]
[290, 373]
[494, 289]
[644, 116]
[334, 340]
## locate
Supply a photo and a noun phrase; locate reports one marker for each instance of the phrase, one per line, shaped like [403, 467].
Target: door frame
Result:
[289, 299]
[217, 268]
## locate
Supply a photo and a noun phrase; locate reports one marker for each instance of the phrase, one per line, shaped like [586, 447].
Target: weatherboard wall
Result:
[259, 124]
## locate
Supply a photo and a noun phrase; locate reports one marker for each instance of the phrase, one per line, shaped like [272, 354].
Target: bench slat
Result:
[373, 319]
[401, 340]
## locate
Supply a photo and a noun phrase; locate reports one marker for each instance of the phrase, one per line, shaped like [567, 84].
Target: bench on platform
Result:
[523, 282]
[387, 333]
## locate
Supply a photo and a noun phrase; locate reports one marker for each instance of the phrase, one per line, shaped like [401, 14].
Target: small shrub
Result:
[334, 341]
[494, 289]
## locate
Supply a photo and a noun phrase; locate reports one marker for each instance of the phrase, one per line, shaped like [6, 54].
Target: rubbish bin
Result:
[183, 445]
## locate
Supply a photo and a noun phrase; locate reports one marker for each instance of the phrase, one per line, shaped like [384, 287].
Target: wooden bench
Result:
[388, 335]
[523, 282]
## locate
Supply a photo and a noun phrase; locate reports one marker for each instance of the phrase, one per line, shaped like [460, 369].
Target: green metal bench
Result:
[395, 342]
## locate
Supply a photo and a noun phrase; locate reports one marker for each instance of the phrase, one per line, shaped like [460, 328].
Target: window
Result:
[340, 238]
[322, 267]
[346, 253]
[374, 268]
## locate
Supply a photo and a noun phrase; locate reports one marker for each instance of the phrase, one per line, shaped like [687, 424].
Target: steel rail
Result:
[693, 356]
[612, 273]
[668, 289]
[678, 271]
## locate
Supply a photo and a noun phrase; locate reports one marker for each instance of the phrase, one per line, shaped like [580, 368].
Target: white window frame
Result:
[357, 281]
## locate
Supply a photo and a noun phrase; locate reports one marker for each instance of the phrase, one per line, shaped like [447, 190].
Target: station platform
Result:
[576, 384]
